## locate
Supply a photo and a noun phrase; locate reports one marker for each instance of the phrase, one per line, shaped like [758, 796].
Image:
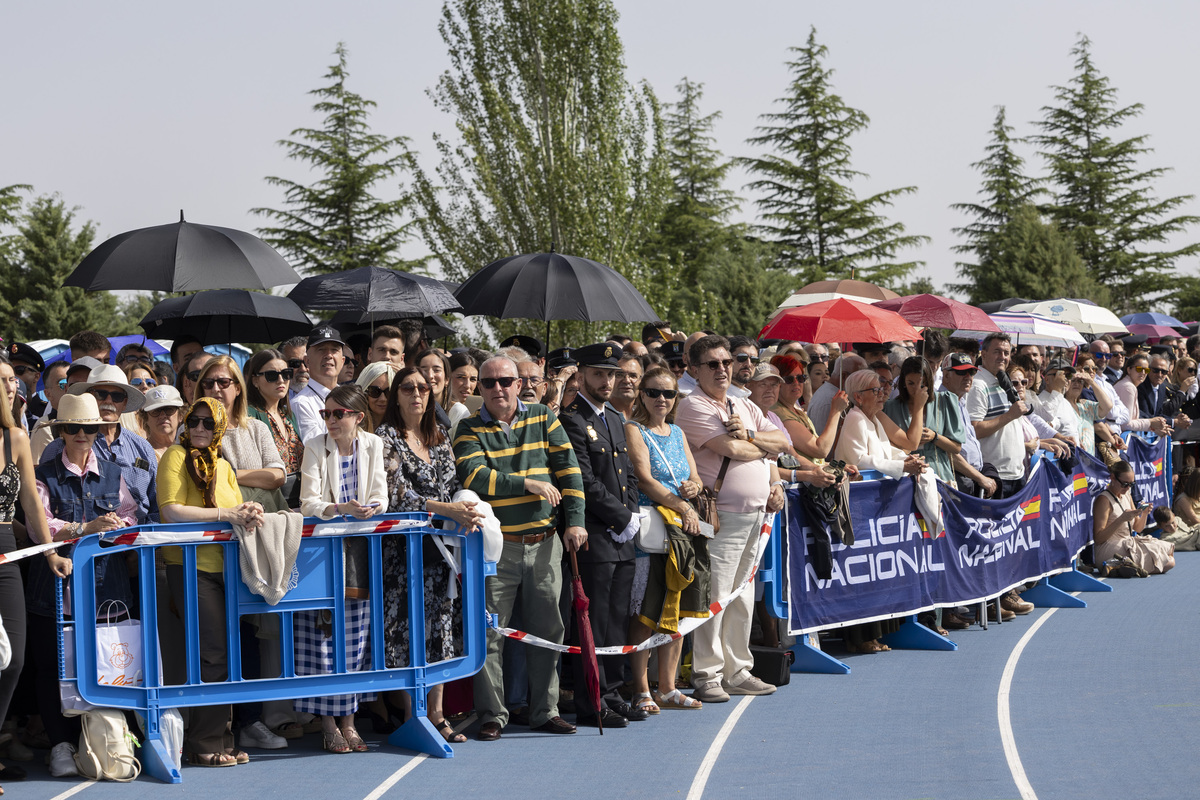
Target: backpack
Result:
[106, 747]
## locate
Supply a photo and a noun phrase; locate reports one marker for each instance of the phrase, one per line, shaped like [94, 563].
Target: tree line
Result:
[554, 146]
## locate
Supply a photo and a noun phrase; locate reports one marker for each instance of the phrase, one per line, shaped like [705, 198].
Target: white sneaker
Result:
[260, 737]
[751, 686]
[62, 761]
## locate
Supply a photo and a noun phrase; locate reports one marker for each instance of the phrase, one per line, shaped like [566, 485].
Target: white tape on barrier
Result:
[686, 625]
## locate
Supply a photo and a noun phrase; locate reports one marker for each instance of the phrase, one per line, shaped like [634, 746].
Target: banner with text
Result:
[1151, 472]
[894, 568]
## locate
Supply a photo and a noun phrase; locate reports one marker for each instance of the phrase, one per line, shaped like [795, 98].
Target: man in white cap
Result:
[135, 456]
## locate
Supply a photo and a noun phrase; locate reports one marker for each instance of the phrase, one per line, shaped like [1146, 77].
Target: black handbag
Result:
[772, 665]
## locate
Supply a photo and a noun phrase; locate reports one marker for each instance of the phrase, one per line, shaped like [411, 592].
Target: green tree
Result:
[45, 249]
[337, 222]
[1028, 257]
[1102, 198]
[1005, 190]
[557, 147]
[807, 202]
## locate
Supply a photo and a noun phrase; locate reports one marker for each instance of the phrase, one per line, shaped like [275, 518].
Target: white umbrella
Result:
[846, 289]
[1027, 328]
[1083, 317]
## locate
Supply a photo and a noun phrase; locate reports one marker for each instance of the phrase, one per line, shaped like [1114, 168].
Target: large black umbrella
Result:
[350, 322]
[227, 315]
[182, 257]
[996, 306]
[375, 290]
[549, 286]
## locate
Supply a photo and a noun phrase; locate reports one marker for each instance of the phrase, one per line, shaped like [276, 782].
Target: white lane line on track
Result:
[1002, 710]
[74, 790]
[714, 749]
[412, 764]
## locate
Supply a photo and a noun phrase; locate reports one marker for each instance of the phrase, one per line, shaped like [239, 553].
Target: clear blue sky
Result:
[133, 110]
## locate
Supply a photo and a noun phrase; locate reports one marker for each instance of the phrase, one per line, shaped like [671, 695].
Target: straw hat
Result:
[78, 410]
[162, 396]
[109, 375]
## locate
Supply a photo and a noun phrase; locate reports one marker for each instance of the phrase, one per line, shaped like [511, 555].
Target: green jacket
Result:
[495, 464]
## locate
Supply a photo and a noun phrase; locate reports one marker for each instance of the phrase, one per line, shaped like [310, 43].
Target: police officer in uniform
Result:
[610, 490]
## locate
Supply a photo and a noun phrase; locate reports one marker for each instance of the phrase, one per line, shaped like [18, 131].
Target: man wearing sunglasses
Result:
[597, 432]
[325, 357]
[191, 373]
[27, 364]
[995, 417]
[745, 359]
[1158, 398]
[133, 454]
[731, 440]
[1118, 415]
[518, 458]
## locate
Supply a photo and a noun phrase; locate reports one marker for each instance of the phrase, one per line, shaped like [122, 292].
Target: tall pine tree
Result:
[1102, 198]
[807, 201]
[337, 223]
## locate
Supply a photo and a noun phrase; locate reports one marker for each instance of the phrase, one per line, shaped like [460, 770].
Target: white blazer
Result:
[320, 474]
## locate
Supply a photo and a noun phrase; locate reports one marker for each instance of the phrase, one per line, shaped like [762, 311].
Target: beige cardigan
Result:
[320, 474]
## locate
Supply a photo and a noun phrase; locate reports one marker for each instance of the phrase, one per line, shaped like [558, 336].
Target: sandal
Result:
[334, 742]
[211, 760]
[644, 702]
[239, 756]
[678, 700]
[448, 733]
[355, 741]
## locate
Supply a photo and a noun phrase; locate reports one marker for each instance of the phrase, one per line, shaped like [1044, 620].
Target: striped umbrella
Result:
[1029, 329]
[1083, 316]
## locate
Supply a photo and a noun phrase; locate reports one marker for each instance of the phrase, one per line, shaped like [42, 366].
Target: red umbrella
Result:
[587, 645]
[934, 311]
[838, 321]
[1152, 331]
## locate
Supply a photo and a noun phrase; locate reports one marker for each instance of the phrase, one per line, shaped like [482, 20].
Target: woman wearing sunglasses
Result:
[1137, 369]
[376, 381]
[1184, 376]
[342, 475]
[270, 379]
[195, 484]
[1116, 524]
[805, 437]
[159, 417]
[1087, 411]
[667, 476]
[420, 473]
[248, 444]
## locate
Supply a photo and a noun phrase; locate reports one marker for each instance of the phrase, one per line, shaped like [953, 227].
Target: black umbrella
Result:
[549, 286]
[1002, 305]
[375, 290]
[349, 322]
[227, 315]
[182, 257]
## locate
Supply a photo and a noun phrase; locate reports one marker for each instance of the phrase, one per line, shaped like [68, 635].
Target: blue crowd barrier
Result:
[320, 585]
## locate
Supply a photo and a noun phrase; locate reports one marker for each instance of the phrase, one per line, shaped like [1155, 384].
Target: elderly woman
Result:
[159, 417]
[196, 485]
[942, 435]
[342, 474]
[1116, 524]
[248, 444]
[667, 477]
[376, 380]
[419, 467]
[267, 396]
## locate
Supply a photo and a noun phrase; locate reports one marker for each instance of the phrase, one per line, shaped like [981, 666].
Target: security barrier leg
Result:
[915, 636]
[1043, 595]
[1076, 581]
[812, 659]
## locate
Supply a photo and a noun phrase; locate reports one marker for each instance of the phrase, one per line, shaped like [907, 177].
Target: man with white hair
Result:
[818, 407]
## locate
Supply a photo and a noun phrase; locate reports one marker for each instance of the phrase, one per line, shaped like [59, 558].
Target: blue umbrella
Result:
[1152, 318]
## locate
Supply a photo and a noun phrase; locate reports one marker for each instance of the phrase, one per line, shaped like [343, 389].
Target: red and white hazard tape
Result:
[686, 625]
[136, 536]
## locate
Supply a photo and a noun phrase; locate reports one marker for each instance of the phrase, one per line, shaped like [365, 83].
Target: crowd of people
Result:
[571, 451]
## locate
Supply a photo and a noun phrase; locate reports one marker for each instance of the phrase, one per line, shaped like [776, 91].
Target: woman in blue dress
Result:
[666, 586]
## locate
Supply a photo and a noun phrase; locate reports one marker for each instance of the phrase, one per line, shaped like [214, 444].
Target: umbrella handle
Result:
[574, 565]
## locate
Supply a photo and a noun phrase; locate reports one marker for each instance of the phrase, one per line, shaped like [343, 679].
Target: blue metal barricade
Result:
[319, 579]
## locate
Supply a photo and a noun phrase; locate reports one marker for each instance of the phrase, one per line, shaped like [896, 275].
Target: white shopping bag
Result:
[119, 659]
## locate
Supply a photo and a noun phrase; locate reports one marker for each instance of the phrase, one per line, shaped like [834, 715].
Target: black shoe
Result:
[629, 712]
[519, 716]
[556, 725]
[489, 732]
[610, 718]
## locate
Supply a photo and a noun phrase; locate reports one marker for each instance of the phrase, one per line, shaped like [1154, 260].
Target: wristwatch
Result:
[749, 435]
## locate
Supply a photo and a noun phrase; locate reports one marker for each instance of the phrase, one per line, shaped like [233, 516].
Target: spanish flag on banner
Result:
[1032, 508]
[1158, 467]
[1079, 484]
[924, 526]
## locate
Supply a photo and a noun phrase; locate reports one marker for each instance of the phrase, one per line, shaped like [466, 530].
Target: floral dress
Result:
[411, 481]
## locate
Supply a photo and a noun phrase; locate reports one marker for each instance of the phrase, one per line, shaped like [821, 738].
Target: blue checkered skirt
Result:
[314, 656]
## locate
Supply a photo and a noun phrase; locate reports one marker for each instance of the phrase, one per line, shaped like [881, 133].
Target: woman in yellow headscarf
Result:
[196, 485]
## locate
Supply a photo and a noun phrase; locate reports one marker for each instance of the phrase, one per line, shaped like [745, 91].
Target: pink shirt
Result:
[127, 510]
[747, 483]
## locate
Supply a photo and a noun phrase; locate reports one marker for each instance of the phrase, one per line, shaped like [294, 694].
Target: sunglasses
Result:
[336, 413]
[195, 422]
[1141, 370]
[116, 394]
[818, 358]
[1158, 371]
[714, 365]
[412, 388]
[790, 379]
[654, 394]
[742, 358]
[295, 363]
[90, 430]
[675, 363]
[374, 392]
[132, 359]
[209, 383]
[21, 369]
[1126, 484]
[1102, 356]
[1190, 370]
[274, 375]
[1117, 354]
[1022, 382]
[192, 376]
[164, 411]
[490, 383]
[62, 384]
[147, 382]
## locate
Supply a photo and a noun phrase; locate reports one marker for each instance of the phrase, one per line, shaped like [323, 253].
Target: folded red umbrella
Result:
[587, 644]
[935, 311]
[838, 321]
